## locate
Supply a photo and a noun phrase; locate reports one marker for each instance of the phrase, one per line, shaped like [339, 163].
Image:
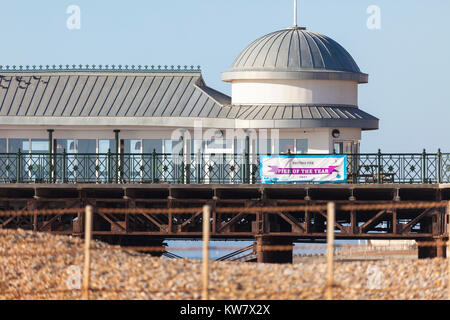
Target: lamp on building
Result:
[336, 133]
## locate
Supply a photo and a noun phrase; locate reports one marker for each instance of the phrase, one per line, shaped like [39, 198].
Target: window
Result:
[173, 146]
[302, 146]
[345, 147]
[219, 146]
[63, 144]
[133, 146]
[338, 148]
[16, 144]
[39, 145]
[152, 144]
[239, 146]
[2, 145]
[348, 147]
[197, 145]
[86, 146]
[105, 145]
[264, 146]
[286, 146]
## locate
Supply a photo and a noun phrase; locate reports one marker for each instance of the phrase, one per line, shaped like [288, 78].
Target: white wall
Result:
[294, 92]
[84, 133]
[320, 140]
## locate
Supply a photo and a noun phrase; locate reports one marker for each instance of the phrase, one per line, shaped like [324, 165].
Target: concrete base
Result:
[265, 255]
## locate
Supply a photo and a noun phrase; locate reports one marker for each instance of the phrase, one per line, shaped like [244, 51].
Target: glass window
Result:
[302, 146]
[2, 145]
[286, 146]
[239, 146]
[264, 146]
[338, 147]
[86, 146]
[16, 144]
[68, 145]
[348, 147]
[175, 146]
[39, 145]
[133, 146]
[105, 145]
[197, 145]
[219, 146]
[152, 144]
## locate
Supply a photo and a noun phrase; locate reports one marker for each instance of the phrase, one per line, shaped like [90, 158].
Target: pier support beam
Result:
[281, 252]
[138, 241]
[432, 251]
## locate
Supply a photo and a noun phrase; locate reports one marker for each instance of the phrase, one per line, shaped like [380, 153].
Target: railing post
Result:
[116, 152]
[50, 155]
[182, 165]
[154, 166]
[439, 166]
[379, 166]
[247, 161]
[424, 166]
[253, 174]
[353, 167]
[187, 169]
[19, 166]
[116, 168]
[182, 172]
[199, 167]
[108, 166]
[224, 172]
[64, 166]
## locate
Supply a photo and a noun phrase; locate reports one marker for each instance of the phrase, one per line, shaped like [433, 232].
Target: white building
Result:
[302, 83]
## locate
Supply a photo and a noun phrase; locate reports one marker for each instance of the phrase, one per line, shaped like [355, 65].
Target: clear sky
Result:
[407, 59]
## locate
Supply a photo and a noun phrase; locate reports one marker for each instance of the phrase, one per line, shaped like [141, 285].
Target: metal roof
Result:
[107, 94]
[307, 116]
[160, 98]
[284, 112]
[295, 50]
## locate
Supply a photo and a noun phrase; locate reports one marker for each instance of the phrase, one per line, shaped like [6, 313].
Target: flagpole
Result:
[295, 13]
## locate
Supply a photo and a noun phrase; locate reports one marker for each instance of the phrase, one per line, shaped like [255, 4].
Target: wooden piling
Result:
[331, 211]
[205, 269]
[87, 251]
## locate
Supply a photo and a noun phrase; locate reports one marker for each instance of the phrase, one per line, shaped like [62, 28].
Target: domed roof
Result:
[295, 53]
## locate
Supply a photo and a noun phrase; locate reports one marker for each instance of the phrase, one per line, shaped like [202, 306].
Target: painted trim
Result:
[230, 76]
[185, 122]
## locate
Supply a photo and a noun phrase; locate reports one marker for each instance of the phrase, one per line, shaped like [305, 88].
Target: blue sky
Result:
[407, 59]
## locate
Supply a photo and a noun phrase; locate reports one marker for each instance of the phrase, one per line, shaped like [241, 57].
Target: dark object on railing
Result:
[154, 166]
[64, 167]
[379, 166]
[19, 166]
[439, 168]
[424, 166]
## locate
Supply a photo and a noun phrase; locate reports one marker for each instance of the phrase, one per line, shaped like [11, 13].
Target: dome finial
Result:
[295, 13]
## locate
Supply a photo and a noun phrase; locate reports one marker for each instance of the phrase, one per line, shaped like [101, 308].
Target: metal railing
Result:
[20, 167]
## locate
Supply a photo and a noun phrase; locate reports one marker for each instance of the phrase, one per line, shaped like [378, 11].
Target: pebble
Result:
[44, 266]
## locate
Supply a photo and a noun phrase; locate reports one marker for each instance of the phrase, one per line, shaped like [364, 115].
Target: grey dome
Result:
[296, 53]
